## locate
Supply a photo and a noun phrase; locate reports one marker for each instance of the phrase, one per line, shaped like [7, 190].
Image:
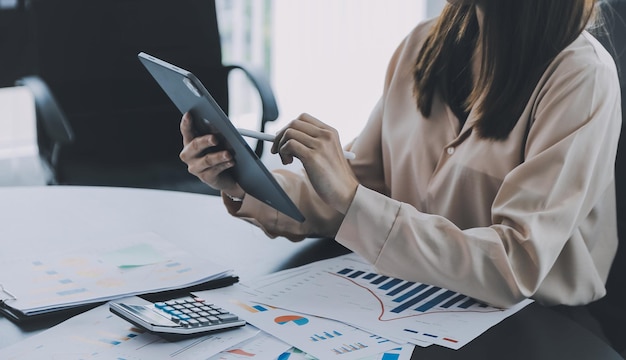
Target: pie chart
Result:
[296, 319]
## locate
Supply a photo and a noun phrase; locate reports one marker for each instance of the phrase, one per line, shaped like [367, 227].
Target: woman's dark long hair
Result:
[519, 40]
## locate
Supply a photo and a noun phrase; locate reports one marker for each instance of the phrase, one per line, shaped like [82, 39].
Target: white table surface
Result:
[41, 218]
[50, 217]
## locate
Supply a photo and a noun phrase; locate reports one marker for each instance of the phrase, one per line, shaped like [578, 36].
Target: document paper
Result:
[348, 289]
[132, 265]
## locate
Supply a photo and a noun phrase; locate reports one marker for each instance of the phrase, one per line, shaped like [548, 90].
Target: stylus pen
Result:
[268, 137]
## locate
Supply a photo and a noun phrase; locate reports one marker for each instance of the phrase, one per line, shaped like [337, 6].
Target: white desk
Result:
[63, 216]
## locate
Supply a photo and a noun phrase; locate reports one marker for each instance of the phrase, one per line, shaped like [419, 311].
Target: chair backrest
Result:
[613, 306]
[87, 54]
[53, 129]
[16, 44]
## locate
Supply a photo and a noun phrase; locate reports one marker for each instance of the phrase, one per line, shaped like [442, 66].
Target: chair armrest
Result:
[268, 101]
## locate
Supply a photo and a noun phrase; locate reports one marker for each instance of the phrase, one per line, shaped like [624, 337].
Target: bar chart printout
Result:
[349, 290]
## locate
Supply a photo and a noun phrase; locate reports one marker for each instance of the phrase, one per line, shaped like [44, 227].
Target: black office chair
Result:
[126, 129]
[53, 129]
[611, 310]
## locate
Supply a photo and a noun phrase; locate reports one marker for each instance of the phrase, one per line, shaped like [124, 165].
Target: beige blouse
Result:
[532, 216]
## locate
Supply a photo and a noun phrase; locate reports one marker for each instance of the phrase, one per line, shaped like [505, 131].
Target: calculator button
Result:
[160, 305]
[193, 322]
[213, 319]
[228, 317]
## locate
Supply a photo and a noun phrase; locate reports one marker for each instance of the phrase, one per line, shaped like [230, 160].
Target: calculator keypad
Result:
[194, 312]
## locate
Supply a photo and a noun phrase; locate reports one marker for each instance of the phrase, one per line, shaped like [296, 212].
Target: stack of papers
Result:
[348, 289]
[338, 308]
[98, 334]
[136, 264]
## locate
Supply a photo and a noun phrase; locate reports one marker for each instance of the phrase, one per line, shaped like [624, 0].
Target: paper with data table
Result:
[129, 265]
[348, 289]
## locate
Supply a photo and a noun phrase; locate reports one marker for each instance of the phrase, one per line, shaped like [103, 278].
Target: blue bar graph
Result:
[380, 279]
[468, 303]
[453, 301]
[435, 301]
[415, 300]
[401, 288]
[370, 276]
[412, 292]
[391, 283]
[356, 274]
[421, 297]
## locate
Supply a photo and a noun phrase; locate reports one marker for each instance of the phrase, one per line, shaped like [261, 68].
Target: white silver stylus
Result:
[268, 137]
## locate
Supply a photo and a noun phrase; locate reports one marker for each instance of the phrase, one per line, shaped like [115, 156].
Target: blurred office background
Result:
[324, 57]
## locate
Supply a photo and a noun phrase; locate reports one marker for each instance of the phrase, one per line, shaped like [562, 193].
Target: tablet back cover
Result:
[190, 95]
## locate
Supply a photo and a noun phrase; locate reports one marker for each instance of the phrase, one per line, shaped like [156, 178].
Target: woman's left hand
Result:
[318, 148]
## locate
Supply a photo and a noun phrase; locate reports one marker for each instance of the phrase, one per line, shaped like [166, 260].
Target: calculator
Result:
[180, 317]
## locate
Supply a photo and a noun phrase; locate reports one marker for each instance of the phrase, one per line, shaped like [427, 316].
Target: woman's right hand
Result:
[208, 167]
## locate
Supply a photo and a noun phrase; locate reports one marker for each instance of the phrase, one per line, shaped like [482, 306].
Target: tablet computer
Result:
[189, 95]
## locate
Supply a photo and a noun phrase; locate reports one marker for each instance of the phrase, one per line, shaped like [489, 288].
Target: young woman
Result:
[486, 167]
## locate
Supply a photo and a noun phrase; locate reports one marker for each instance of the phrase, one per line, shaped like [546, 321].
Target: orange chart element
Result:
[240, 352]
[296, 319]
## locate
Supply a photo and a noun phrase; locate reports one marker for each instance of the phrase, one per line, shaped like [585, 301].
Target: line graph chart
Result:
[349, 290]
